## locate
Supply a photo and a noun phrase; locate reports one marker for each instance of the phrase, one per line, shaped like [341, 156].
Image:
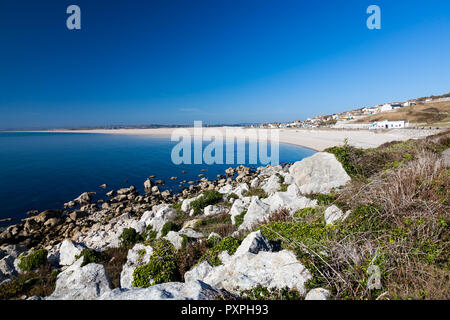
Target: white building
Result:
[387, 125]
[386, 107]
[409, 103]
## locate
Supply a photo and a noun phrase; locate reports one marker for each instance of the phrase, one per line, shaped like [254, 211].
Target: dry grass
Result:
[405, 233]
[33, 283]
[114, 259]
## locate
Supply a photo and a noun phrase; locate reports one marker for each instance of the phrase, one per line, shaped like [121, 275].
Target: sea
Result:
[40, 171]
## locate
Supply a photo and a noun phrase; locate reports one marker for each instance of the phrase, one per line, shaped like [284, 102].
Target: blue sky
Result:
[220, 61]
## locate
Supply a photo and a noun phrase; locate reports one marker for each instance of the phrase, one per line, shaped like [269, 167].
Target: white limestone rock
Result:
[240, 205]
[252, 266]
[255, 183]
[200, 271]
[289, 200]
[163, 215]
[175, 239]
[138, 256]
[256, 212]
[81, 283]
[240, 190]
[68, 252]
[213, 210]
[271, 185]
[191, 233]
[186, 204]
[333, 214]
[319, 173]
[253, 243]
[226, 189]
[193, 290]
[318, 294]
[7, 267]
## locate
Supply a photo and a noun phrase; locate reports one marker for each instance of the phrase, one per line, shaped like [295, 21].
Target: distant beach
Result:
[316, 139]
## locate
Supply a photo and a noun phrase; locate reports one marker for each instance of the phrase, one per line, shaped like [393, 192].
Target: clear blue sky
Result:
[220, 61]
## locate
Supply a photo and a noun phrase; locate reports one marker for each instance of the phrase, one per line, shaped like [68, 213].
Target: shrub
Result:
[149, 234]
[209, 197]
[169, 226]
[233, 196]
[239, 219]
[160, 268]
[32, 283]
[129, 237]
[188, 256]
[34, 260]
[228, 244]
[90, 256]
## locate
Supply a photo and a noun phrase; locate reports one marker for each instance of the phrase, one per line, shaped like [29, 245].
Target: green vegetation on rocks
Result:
[228, 244]
[239, 219]
[34, 260]
[160, 268]
[209, 197]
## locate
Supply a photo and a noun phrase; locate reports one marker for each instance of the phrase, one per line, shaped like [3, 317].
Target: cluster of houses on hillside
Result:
[345, 119]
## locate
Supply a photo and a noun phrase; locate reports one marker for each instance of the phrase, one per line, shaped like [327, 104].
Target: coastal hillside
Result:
[345, 223]
[433, 113]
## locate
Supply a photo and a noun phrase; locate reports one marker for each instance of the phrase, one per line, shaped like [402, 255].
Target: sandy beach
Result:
[316, 139]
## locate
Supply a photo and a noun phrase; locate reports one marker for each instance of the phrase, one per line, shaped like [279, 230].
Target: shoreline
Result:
[315, 139]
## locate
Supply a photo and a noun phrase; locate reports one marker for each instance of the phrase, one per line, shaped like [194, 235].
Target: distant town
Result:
[433, 110]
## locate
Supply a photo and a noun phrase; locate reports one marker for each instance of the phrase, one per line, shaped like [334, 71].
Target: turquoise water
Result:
[40, 171]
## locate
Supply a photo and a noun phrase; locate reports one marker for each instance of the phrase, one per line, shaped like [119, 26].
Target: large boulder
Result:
[81, 283]
[319, 173]
[251, 266]
[68, 252]
[138, 256]
[195, 290]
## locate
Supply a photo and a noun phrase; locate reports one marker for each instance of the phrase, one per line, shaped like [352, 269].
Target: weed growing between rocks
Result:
[260, 193]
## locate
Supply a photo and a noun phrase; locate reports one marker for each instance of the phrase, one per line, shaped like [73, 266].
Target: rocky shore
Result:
[206, 242]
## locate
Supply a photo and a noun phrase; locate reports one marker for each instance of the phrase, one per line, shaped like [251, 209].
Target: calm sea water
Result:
[40, 171]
